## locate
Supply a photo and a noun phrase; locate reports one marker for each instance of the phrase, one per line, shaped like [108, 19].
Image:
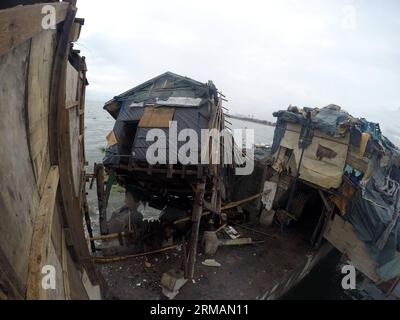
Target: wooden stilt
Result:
[196, 216]
[99, 174]
[184, 251]
[88, 224]
[327, 215]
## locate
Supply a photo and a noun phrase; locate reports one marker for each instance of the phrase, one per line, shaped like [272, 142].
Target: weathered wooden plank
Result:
[20, 23]
[56, 232]
[74, 148]
[76, 288]
[57, 90]
[196, 216]
[59, 292]
[9, 282]
[340, 234]
[71, 86]
[19, 198]
[39, 77]
[42, 235]
[71, 104]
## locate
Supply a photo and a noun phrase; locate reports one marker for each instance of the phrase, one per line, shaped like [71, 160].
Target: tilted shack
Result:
[188, 185]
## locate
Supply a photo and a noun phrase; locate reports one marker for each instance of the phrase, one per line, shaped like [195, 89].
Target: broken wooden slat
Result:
[20, 23]
[105, 259]
[41, 235]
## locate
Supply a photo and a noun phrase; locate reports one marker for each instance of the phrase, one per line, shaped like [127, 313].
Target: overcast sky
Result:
[263, 55]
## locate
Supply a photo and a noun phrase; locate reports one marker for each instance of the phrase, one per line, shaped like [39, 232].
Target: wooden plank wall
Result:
[19, 196]
[39, 225]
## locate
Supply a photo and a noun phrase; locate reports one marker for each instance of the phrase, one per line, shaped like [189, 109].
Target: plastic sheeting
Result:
[374, 212]
[330, 119]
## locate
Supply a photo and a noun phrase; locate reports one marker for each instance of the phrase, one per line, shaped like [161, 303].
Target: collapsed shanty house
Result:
[355, 170]
[327, 175]
[171, 186]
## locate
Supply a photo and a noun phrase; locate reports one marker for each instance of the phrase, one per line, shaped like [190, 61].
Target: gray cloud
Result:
[264, 55]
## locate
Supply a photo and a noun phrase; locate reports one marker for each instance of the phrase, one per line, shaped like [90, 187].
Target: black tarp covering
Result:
[374, 212]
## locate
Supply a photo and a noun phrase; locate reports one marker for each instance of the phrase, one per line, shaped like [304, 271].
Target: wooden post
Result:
[99, 174]
[88, 223]
[42, 236]
[327, 215]
[196, 216]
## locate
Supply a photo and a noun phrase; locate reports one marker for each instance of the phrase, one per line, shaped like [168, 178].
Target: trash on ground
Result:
[211, 263]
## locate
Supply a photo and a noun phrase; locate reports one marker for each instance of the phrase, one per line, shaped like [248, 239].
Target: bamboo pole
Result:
[238, 203]
[189, 218]
[104, 259]
[109, 237]
[256, 231]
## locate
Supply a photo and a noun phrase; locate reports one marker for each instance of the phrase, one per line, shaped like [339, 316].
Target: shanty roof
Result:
[167, 89]
[337, 122]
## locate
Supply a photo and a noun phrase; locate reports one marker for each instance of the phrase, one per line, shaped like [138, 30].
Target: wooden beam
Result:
[21, 23]
[99, 174]
[42, 235]
[71, 104]
[64, 257]
[238, 203]
[326, 216]
[196, 216]
[57, 89]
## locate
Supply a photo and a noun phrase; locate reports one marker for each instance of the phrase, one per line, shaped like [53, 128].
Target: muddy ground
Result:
[246, 272]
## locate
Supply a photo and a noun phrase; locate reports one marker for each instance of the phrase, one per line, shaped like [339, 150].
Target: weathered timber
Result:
[196, 216]
[41, 235]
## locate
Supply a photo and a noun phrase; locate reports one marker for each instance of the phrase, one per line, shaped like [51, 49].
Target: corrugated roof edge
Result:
[144, 84]
[128, 92]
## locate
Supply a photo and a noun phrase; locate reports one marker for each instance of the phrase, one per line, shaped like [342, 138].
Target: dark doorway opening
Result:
[126, 139]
